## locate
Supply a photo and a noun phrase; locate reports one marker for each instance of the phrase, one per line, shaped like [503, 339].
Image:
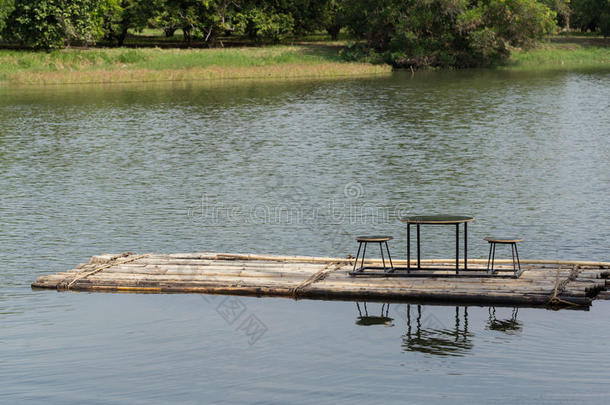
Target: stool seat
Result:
[504, 240]
[376, 238]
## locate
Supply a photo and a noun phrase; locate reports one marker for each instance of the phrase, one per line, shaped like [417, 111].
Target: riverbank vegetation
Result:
[142, 40]
[562, 53]
[316, 59]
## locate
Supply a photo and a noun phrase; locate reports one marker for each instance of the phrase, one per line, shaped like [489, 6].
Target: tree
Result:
[458, 33]
[204, 18]
[264, 21]
[6, 8]
[48, 24]
[122, 15]
[591, 15]
[334, 18]
[309, 15]
[562, 9]
[520, 22]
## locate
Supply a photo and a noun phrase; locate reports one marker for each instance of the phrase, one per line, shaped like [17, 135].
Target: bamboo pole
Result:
[279, 275]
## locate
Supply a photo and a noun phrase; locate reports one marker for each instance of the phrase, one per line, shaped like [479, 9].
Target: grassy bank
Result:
[563, 53]
[315, 59]
[104, 65]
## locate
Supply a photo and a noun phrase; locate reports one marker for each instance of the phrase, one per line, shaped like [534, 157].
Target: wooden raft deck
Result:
[553, 283]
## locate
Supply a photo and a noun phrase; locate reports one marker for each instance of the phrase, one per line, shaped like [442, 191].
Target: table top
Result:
[437, 219]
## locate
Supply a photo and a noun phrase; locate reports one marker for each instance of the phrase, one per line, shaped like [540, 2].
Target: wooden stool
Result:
[382, 240]
[514, 251]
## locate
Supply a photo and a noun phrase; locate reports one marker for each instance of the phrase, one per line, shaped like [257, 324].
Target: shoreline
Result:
[297, 61]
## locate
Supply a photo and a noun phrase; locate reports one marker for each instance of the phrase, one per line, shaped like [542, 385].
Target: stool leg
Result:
[357, 255]
[363, 254]
[381, 250]
[489, 257]
[518, 262]
[493, 257]
[512, 251]
[389, 256]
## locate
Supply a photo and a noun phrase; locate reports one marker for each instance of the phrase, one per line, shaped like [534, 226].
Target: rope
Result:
[560, 287]
[315, 277]
[112, 262]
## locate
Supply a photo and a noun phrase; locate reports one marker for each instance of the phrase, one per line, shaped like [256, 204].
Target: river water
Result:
[299, 167]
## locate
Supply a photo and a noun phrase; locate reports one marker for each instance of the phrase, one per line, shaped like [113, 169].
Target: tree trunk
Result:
[333, 31]
[121, 37]
[187, 35]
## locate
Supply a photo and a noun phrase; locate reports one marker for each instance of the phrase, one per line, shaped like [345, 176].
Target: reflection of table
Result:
[439, 220]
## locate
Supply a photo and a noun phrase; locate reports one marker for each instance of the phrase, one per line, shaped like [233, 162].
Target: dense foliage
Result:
[447, 32]
[403, 32]
[6, 8]
[52, 23]
[591, 15]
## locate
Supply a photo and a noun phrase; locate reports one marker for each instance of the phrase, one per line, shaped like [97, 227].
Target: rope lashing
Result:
[317, 276]
[560, 287]
[112, 262]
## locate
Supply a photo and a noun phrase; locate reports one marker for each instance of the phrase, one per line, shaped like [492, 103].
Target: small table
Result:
[439, 220]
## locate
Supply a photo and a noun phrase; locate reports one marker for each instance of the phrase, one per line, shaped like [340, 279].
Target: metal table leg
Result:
[418, 250]
[457, 248]
[465, 246]
[408, 247]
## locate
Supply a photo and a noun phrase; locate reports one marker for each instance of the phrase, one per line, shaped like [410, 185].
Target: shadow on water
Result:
[435, 334]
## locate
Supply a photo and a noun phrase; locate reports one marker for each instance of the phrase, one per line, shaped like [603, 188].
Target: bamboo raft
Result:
[542, 283]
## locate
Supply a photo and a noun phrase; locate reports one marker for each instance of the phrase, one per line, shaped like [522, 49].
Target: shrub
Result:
[460, 33]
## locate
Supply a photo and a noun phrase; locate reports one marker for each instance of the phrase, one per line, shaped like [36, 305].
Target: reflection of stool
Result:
[382, 240]
[492, 253]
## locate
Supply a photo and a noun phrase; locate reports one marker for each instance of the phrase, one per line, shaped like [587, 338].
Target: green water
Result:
[299, 168]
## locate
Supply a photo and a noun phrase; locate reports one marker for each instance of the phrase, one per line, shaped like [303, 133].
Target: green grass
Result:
[563, 53]
[157, 59]
[152, 64]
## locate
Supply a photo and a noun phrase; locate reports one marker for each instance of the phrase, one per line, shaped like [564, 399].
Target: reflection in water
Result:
[368, 320]
[430, 336]
[427, 333]
[510, 326]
